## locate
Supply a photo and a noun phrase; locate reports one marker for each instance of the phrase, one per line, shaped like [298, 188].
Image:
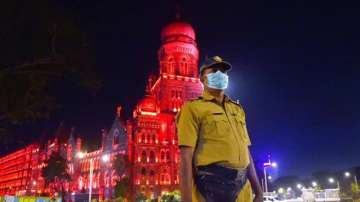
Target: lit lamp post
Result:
[332, 180]
[314, 184]
[348, 174]
[105, 159]
[81, 155]
[266, 165]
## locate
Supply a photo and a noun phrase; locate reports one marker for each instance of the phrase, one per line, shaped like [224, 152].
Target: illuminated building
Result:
[148, 139]
[153, 144]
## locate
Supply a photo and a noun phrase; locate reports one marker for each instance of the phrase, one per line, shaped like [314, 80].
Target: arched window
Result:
[143, 171]
[168, 155]
[142, 137]
[171, 65]
[148, 139]
[162, 155]
[143, 156]
[153, 138]
[116, 137]
[152, 157]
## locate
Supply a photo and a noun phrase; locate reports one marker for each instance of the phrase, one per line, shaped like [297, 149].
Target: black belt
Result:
[217, 183]
[227, 173]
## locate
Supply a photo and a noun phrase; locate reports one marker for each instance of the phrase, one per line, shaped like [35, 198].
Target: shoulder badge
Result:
[237, 102]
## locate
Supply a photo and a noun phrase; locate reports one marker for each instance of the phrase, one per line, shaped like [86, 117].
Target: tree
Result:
[122, 188]
[140, 197]
[55, 171]
[123, 184]
[171, 197]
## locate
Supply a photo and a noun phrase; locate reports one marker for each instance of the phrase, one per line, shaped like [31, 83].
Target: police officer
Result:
[216, 164]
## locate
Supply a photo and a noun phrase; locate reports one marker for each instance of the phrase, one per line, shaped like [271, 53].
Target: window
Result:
[162, 155]
[143, 171]
[116, 138]
[168, 156]
[143, 156]
[152, 157]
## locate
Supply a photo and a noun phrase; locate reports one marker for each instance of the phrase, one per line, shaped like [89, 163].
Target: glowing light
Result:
[148, 113]
[314, 184]
[269, 177]
[299, 186]
[289, 189]
[105, 158]
[281, 190]
[34, 182]
[80, 155]
[274, 164]
[331, 180]
[347, 174]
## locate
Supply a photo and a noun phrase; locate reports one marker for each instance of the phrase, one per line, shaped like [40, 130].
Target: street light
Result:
[269, 177]
[348, 174]
[314, 184]
[268, 164]
[332, 180]
[105, 158]
[299, 186]
[81, 155]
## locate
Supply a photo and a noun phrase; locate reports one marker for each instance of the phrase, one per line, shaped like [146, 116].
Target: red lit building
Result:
[153, 143]
[148, 139]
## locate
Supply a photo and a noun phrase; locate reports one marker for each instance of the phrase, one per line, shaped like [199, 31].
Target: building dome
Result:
[178, 28]
[147, 104]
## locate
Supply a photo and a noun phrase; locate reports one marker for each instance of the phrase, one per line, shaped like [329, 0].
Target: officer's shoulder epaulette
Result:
[195, 99]
[236, 103]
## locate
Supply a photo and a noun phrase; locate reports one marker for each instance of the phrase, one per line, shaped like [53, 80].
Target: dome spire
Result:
[177, 10]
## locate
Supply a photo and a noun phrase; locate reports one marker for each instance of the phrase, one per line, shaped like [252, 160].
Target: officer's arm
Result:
[254, 180]
[186, 174]
[187, 126]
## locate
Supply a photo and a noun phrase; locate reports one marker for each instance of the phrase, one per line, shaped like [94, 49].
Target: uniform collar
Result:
[207, 96]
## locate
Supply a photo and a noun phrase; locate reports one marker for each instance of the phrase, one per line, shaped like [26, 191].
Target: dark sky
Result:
[295, 70]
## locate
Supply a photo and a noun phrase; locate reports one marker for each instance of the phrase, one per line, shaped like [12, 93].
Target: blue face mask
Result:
[217, 80]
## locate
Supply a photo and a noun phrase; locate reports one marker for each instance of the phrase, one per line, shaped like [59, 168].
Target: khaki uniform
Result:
[219, 135]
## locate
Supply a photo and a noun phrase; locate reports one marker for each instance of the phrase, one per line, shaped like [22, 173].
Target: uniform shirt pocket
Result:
[216, 126]
[242, 129]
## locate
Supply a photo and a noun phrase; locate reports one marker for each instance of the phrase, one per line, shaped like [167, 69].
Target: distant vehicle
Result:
[271, 199]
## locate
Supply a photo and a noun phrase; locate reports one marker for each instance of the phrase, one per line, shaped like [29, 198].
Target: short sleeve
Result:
[187, 126]
[246, 134]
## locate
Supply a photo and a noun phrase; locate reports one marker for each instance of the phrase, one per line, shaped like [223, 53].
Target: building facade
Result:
[147, 141]
[153, 144]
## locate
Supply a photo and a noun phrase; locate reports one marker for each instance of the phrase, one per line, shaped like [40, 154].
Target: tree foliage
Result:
[122, 187]
[55, 169]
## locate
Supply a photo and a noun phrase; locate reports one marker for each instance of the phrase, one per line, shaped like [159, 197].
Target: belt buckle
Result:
[240, 175]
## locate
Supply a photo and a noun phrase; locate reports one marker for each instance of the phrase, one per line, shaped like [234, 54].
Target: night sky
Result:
[295, 70]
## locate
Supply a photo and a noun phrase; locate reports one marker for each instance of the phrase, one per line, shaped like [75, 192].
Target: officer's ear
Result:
[203, 79]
